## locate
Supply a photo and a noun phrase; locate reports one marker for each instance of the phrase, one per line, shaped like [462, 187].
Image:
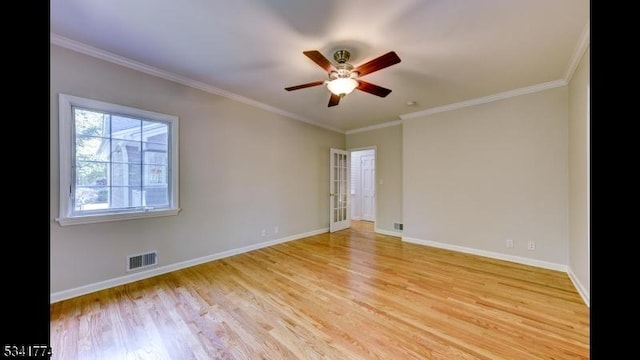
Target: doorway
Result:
[363, 184]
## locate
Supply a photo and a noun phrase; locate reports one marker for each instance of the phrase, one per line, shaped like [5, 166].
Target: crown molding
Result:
[374, 127]
[486, 99]
[77, 46]
[462, 104]
[581, 48]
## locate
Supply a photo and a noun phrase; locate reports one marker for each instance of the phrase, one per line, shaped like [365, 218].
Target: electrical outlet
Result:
[531, 245]
[264, 232]
[509, 243]
[276, 229]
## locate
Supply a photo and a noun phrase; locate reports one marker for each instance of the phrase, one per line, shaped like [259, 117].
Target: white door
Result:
[339, 190]
[368, 176]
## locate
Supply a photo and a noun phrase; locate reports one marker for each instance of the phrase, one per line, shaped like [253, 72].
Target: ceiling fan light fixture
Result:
[342, 76]
[342, 86]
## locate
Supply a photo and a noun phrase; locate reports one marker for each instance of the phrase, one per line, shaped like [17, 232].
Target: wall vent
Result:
[140, 261]
[397, 226]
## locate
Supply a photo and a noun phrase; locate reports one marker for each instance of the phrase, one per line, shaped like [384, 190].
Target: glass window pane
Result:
[155, 174]
[137, 197]
[126, 175]
[126, 152]
[91, 198]
[157, 147]
[92, 148]
[90, 173]
[91, 123]
[123, 197]
[126, 128]
[156, 196]
[155, 157]
[155, 132]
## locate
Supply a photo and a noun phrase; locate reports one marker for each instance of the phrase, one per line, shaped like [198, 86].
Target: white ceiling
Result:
[452, 51]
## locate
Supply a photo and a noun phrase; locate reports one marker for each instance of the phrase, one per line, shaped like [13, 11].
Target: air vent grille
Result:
[140, 261]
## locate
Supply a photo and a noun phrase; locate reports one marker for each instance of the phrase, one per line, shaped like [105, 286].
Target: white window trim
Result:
[66, 217]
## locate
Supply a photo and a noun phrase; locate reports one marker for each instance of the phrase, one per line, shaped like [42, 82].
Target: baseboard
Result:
[494, 255]
[83, 290]
[490, 254]
[517, 259]
[578, 285]
[387, 232]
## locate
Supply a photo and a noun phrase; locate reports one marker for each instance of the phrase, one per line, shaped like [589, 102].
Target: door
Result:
[339, 190]
[368, 176]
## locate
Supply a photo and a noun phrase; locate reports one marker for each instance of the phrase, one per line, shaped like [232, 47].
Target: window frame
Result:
[66, 134]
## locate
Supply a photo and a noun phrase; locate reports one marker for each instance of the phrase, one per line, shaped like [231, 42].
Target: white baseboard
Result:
[387, 232]
[517, 259]
[490, 254]
[83, 290]
[581, 290]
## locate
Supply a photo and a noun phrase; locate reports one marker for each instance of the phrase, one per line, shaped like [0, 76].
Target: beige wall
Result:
[476, 176]
[241, 170]
[388, 143]
[579, 242]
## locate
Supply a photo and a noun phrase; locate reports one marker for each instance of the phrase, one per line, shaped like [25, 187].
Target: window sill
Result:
[78, 220]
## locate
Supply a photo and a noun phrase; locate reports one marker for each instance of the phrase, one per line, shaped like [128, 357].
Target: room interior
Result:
[482, 143]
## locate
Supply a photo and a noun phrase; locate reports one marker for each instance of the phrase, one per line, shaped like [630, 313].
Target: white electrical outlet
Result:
[275, 229]
[509, 243]
[264, 232]
[531, 245]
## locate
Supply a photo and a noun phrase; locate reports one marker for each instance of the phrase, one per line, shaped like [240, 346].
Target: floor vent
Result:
[397, 226]
[140, 261]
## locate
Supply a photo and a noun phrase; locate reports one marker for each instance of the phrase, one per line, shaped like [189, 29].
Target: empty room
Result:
[280, 179]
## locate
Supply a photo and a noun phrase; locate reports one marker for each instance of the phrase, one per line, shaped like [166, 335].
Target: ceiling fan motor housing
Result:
[342, 56]
[343, 69]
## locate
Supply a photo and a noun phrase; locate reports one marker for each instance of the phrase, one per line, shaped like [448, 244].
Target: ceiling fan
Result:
[344, 77]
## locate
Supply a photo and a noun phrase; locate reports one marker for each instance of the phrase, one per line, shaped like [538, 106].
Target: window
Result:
[116, 162]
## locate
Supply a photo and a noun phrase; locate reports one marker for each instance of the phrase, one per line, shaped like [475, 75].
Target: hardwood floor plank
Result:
[353, 294]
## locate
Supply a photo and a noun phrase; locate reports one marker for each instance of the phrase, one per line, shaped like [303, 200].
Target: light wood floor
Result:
[347, 295]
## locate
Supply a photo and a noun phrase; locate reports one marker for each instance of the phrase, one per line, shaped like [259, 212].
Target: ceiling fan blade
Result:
[302, 86]
[334, 100]
[381, 62]
[372, 89]
[319, 59]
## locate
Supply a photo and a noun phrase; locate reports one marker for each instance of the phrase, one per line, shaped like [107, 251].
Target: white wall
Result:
[388, 143]
[579, 243]
[476, 176]
[242, 169]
